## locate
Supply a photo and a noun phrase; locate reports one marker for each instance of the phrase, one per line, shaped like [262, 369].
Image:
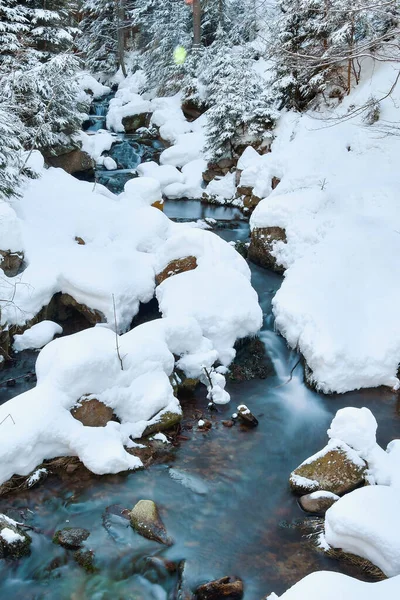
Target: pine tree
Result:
[13, 25]
[164, 26]
[10, 152]
[99, 39]
[51, 27]
[239, 110]
[47, 101]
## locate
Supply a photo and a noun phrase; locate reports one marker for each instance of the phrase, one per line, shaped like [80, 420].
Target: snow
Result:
[165, 174]
[161, 437]
[338, 202]
[191, 186]
[88, 82]
[222, 189]
[36, 476]
[127, 242]
[10, 228]
[125, 104]
[325, 585]
[356, 427]
[188, 147]
[367, 523]
[97, 143]
[10, 536]
[37, 336]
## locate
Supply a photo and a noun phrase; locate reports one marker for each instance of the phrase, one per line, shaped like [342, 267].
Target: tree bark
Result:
[196, 24]
[120, 34]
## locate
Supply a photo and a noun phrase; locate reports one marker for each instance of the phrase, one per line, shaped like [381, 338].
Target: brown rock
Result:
[72, 162]
[229, 588]
[250, 202]
[246, 416]
[5, 343]
[92, 316]
[133, 122]
[210, 174]
[262, 243]
[331, 470]
[80, 241]
[159, 205]
[11, 262]
[92, 413]
[244, 190]
[146, 520]
[238, 175]
[274, 182]
[180, 265]
[228, 423]
[204, 424]
[226, 163]
[191, 110]
[318, 502]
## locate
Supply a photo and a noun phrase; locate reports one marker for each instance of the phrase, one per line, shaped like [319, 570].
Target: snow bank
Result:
[37, 336]
[97, 143]
[88, 83]
[338, 203]
[325, 585]
[10, 228]
[125, 104]
[127, 242]
[367, 523]
[188, 147]
[222, 189]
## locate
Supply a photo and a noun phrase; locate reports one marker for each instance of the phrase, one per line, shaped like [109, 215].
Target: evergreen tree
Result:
[10, 152]
[99, 39]
[51, 27]
[47, 101]
[239, 108]
[165, 25]
[13, 25]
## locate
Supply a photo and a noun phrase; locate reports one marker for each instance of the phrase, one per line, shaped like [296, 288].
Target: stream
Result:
[223, 494]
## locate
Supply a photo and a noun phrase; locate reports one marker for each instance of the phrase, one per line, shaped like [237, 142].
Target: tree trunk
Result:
[196, 24]
[120, 34]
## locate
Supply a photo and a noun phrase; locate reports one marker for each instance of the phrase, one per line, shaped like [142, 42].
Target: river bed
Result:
[223, 494]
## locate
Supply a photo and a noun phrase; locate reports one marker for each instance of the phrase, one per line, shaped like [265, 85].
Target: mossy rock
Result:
[165, 421]
[85, 559]
[133, 122]
[331, 470]
[71, 537]
[145, 519]
[251, 361]
[14, 542]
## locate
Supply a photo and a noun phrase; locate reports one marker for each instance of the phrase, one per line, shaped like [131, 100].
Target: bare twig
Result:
[5, 419]
[116, 335]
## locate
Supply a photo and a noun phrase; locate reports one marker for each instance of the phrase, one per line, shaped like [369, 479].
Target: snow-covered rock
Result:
[88, 83]
[326, 585]
[338, 204]
[367, 523]
[37, 336]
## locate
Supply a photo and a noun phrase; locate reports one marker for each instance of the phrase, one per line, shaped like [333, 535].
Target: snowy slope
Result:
[338, 201]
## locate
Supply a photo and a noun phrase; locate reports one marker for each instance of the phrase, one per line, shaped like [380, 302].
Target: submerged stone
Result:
[85, 559]
[146, 520]
[71, 537]
[229, 588]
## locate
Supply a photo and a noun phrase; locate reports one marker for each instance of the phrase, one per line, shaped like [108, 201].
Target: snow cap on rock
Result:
[356, 427]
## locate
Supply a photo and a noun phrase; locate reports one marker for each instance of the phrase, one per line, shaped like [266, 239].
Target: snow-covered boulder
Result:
[337, 468]
[37, 336]
[264, 242]
[326, 585]
[14, 541]
[367, 523]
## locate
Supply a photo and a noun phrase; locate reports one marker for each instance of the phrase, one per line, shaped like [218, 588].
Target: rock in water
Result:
[246, 416]
[262, 244]
[71, 537]
[318, 502]
[337, 468]
[14, 542]
[147, 522]
[229, 588]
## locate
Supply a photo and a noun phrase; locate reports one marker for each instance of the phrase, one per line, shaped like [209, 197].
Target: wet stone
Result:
[14, 541]
[85, 559]
[146, 520]
[318, 502]
[246, 416]
[71, 537]
[226, 588]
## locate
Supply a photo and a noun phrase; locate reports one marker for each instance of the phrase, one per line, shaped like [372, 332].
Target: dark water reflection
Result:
[226, 503]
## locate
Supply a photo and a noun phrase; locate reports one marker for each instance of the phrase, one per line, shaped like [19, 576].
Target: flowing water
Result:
[223, 494]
